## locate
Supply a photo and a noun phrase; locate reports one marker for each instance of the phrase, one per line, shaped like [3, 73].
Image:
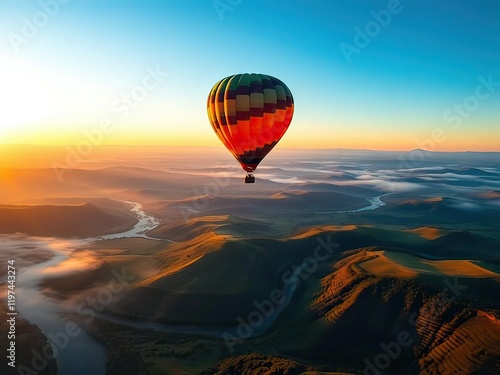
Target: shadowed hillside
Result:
[352, 313]
[81, 220]
[204, 281]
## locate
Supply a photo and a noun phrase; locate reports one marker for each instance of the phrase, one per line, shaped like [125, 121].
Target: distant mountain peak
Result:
[422, 150]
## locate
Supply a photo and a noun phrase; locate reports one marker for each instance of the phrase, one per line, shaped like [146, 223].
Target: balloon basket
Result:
[249, 179]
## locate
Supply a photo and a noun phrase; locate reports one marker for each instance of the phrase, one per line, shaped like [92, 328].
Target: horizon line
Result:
[222, 149]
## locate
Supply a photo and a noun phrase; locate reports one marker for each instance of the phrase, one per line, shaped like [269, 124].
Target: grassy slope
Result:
[81, 220]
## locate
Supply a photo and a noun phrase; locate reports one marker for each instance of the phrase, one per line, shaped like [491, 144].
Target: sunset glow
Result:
[151, 81]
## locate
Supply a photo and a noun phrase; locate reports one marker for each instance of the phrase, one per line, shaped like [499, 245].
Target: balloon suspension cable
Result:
[249, 179]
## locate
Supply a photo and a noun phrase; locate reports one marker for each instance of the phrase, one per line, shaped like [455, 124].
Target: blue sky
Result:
[391, 94]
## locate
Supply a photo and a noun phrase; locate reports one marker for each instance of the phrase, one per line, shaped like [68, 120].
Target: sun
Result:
[25, 97]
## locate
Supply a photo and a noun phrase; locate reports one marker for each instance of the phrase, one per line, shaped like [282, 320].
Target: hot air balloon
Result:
[250, 113]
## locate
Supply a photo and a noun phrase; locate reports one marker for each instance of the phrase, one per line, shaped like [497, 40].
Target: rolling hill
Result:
[80, 220]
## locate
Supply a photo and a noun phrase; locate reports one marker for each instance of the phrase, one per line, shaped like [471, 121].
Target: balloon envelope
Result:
[250, 113]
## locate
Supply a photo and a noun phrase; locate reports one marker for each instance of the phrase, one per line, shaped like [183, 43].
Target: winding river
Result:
[81, 354]
[76, 354]
[374, 203]
[144, 224]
